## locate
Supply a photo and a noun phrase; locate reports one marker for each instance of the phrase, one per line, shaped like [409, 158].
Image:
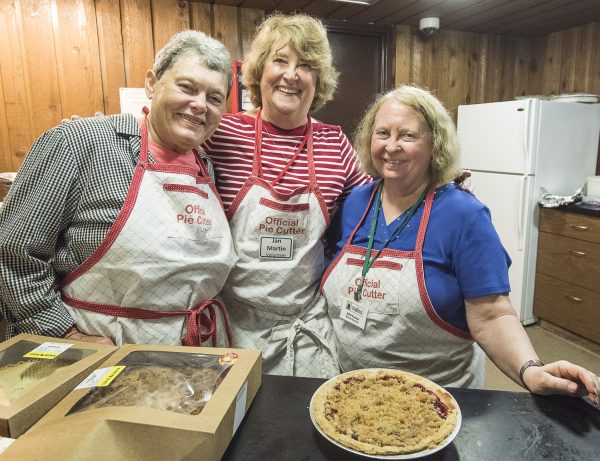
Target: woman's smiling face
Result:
[188, 101]
[401, 145]
[287, 88]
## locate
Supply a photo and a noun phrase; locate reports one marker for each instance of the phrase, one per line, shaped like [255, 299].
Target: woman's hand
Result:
[77, 117]
[563, 377]
[77, 335]
[464, 181]
[496, 328]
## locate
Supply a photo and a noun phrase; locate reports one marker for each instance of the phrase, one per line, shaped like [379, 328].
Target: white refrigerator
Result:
[514, 149]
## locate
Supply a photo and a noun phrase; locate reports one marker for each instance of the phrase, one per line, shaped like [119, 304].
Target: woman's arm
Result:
[37, 210]
[496, 328]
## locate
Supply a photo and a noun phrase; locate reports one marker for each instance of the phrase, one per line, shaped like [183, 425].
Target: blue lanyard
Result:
[368, 260]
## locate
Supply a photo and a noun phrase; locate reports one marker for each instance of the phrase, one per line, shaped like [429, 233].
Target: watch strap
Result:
[526, 365]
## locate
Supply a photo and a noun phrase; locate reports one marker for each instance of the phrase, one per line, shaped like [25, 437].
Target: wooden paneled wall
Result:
[463, 68]
[467, 68]
[64, 57]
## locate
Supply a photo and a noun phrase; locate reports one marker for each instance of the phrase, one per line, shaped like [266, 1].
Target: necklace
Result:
[270, 129]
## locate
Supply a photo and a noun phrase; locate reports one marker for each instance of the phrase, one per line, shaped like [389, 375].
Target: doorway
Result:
[364, 57]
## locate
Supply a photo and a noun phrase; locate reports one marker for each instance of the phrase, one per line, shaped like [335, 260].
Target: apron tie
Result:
[198, 319]
[289, 332]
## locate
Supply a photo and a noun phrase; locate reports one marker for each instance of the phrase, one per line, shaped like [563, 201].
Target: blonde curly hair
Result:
[307, 36]
[446, 149]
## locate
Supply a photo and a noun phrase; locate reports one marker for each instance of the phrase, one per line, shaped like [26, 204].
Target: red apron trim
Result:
[387, 252]
[185, 188]
[114, 230]
[197, 318]
[291, 207]
[392, 265]
[435, 318]
[174, 168]
[433, 315]
[424, 220]
[321, 201]
[256, 181]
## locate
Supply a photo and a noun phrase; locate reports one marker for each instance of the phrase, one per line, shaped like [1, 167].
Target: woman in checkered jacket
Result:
[113, 230]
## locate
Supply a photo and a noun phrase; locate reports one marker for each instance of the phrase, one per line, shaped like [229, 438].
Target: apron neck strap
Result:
[201, 164]
[144, 146]
[307, 141]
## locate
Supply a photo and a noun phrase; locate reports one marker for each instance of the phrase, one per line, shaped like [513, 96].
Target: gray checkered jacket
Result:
[62, 204]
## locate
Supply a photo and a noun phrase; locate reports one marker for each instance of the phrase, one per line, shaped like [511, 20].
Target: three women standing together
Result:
[420, 273]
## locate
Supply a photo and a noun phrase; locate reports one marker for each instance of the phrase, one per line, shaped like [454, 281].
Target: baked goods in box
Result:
[16, 379]
[162, 380]
[117, 432]
[18, 373]
[385, 412]
[36, 372]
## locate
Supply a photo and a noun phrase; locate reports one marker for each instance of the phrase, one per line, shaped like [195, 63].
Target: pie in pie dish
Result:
[385, 412]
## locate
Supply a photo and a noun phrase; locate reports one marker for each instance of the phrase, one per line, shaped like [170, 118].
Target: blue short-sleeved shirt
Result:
[462, 253]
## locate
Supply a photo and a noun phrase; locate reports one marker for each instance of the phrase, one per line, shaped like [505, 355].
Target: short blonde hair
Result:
[307, 36]
[446, 149]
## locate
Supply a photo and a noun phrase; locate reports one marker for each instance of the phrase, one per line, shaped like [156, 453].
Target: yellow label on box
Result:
[47, 351]
[111, 375]
[41, 355]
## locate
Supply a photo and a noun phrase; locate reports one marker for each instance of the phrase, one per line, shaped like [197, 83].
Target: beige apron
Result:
[402, 329]
[272, 292]
[161, 264]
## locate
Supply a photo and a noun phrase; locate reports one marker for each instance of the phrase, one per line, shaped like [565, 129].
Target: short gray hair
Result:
[211, 52]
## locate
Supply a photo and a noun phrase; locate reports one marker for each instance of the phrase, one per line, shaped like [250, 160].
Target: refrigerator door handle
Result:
[521, 208]
[526, 135]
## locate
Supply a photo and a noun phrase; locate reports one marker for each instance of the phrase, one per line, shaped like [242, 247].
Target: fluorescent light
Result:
[358, 2]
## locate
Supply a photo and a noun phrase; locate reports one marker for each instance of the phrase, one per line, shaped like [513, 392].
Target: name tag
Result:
[354, 313]
[276, 248]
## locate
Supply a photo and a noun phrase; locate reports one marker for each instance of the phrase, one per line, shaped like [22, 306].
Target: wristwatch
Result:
[526, 365]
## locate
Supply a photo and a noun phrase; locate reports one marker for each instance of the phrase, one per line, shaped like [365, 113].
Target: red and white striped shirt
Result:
[231, 149]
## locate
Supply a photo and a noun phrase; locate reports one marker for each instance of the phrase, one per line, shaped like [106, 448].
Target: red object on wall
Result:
[236, 87]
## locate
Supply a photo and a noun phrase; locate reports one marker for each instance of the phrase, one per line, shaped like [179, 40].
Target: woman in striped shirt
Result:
[281, 174]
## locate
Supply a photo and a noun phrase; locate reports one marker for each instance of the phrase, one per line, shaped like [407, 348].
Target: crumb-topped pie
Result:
[384, 412]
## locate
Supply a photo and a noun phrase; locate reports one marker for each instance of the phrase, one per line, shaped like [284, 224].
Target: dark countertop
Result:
[496, 425]
[587, 208]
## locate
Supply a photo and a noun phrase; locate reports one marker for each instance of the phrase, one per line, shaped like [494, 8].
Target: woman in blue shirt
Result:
[434, 289]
